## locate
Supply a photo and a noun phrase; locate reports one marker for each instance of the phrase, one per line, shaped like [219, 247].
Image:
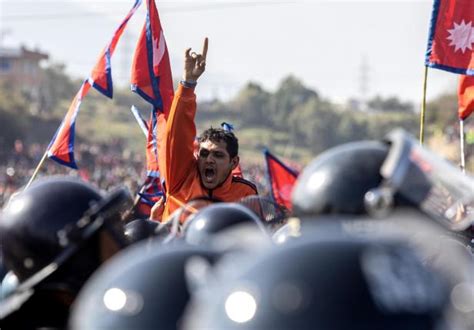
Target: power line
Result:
[59, 16]
[164, 10]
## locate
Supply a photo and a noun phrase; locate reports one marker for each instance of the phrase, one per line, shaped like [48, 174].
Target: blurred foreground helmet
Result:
[54, 235]
[41, 222]
[270, 212]
[217, 218]
[331, 284]
[3, 269]
[337, 181]
[31, 222]
[142, 288]
[9, 284]
[437, 248]
[372, 177]
[140, 229]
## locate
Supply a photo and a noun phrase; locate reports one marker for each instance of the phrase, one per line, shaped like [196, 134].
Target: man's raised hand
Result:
[195, 64]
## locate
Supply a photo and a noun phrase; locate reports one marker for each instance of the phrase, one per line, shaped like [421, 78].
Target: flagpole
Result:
[127, 214]
[423, 107]
[139, 119]
[36, 170]
[461, 141]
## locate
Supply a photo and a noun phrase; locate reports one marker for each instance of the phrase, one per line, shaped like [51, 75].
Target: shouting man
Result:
[207, 174]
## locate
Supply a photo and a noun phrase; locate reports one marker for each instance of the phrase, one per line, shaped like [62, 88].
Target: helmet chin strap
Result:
[378, 202]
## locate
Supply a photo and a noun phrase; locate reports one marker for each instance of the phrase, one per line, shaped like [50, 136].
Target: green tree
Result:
[351, 127]
[391, 104]
[442, 112]
[57, 86]
[252, 103]
[13, 116]
[289, 95]
[315, 124]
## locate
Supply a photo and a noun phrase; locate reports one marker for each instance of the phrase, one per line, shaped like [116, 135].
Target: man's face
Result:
[214, 163]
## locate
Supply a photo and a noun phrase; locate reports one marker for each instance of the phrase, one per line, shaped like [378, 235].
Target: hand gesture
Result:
[157, 210]
[194, 64]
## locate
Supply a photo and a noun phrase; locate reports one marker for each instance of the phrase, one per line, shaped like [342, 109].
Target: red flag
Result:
[151, 70]
[238, 170]
[101, 76]
[61, 147]
[152, 80]
[451, 39]
[282, 180]
[465, 96]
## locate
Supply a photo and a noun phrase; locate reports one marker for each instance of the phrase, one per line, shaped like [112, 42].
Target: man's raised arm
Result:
[176, 154]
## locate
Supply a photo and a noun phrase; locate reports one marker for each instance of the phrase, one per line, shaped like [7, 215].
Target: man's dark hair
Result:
[218, 135]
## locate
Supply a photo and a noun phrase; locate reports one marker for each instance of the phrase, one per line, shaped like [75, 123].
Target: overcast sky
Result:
[324, 43]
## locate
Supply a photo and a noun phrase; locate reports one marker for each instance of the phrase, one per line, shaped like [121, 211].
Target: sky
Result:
[329, 44]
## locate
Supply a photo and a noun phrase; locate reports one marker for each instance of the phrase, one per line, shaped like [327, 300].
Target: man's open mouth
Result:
[209, 173]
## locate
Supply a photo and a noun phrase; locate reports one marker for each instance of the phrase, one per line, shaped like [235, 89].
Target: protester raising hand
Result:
[194, 64]
[209, 174]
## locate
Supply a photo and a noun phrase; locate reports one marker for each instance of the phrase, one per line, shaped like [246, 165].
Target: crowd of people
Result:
[106, 165]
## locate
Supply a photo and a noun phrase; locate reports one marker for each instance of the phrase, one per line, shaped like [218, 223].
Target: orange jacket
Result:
[178, 165]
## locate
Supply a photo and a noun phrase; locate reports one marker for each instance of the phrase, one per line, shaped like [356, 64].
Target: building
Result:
[20, 67]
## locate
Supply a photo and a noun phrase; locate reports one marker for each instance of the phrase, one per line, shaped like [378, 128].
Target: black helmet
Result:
[216, 218]
[31, 222]
[337, 181]
[144, 287]
[332, 284]
[272, 214]
[372, 177]
[289, 232]
[8, 285]
[3, 269]
[140, 229]
[54, 235]
[51, 221]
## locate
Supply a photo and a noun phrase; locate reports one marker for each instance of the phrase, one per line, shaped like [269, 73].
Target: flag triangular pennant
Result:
[61, 147]
[238, 170]
[151, 70]
[465, 96]
[152, 80]
[451, 37]
[281, 179]
[101, 76]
